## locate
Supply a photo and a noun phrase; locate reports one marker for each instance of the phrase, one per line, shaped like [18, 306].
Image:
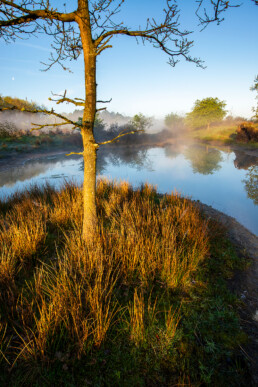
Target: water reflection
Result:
[251, 184]
[137, 158]
[226, 179]
[204, 160]
[244, 160]
[29, 169]
[172, 151]
[118, 156]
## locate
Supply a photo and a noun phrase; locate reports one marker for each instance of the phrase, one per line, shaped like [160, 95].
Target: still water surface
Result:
[225, 179]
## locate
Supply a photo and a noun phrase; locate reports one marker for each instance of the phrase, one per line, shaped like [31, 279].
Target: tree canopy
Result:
[173, 121]
[205, 112]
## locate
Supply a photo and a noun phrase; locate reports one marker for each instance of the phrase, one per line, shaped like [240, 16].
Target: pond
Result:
[224, 178]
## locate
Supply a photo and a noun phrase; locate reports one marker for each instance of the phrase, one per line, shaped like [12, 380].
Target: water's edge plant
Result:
[146, 304]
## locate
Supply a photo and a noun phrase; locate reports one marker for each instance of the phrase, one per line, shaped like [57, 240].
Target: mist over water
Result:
[225, 179]
[22, 122]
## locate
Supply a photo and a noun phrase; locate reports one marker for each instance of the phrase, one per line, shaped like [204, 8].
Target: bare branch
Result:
[44, 111]
[20, 17]
[63, 98]
[46, 13]
[214, 14]
[100, 101]
[46, 125]
[74, 153]
[99, 110]
[165, 35]
[120, 135]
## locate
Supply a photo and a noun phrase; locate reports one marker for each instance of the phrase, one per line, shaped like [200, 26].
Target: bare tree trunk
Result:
[89, 187]
[89, 145]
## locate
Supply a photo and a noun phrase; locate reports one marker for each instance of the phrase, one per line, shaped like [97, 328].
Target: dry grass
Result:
[61, 299]
[222, 133]
[226, 133]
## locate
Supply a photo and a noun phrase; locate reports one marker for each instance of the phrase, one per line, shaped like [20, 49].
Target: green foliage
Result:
[8, 130]
[98, 123]
[205, 112]
[173, 121]
[140, 122]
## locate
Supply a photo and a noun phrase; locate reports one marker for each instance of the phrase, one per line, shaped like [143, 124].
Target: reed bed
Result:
[124, 310]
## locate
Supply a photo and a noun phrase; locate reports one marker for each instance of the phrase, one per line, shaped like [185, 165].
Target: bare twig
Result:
[74, 153]
[47, 112]
[63, 98]
[100, 101]
[120, 135]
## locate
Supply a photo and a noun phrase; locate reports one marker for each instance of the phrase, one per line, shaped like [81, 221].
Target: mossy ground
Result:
[146, 304]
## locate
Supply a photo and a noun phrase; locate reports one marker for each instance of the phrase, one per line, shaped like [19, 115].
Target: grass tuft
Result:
[147, 304]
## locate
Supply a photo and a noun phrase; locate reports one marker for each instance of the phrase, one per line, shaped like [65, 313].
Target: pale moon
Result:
[12, 78]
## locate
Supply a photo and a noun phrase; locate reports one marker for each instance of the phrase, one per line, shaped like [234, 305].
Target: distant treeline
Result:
[209, 114]
[8, 102]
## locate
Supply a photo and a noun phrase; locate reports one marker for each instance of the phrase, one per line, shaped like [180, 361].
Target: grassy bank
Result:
[225, 134]
[28, 143]
[146, 305]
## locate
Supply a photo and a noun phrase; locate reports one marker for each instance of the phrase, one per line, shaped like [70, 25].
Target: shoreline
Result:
[244, 283]
[20, 160]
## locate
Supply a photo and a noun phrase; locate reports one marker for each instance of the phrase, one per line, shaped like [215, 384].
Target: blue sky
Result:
[137, 77]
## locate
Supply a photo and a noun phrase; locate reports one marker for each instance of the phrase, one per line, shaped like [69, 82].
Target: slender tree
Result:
[254, 87]
[88, 30]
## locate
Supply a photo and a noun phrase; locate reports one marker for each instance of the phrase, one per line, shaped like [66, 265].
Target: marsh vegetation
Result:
[146, 304]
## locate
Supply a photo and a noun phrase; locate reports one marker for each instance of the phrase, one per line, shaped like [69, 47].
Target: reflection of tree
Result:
[244, 160]
[251, 184]
[135, 157]
[171, 151]
[30, 169]
[204, 160]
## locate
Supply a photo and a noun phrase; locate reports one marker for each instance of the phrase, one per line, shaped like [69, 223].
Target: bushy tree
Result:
[140, 122]
[206, 112]
[174, 121]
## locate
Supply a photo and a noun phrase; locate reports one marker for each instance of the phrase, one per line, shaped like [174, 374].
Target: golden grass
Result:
[66, 297]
